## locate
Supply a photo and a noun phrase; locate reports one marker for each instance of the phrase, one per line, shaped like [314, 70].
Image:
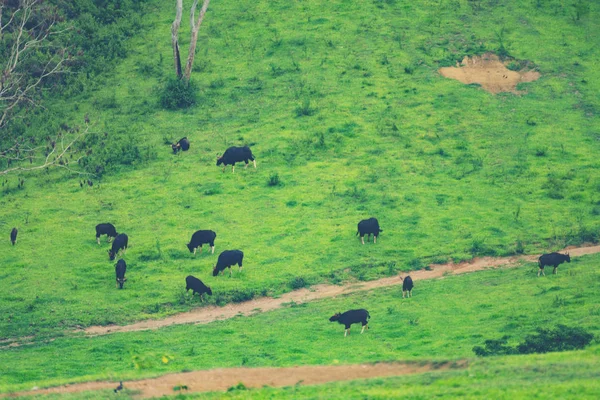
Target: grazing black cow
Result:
[236, 154]
[201, 237]
[106, 229]
[13, 236]
[407, 286]
[183, 144]
[352, 317]
[368, 227]
[554, 259]
[227, 259]
[197, 286]
[120, 268]
[120, 243]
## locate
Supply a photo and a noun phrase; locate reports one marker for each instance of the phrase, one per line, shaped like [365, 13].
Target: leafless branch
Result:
[17, 85]
[175, 37]
[55, 155]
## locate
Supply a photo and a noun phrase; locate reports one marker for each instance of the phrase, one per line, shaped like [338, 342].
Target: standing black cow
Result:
[197, 286]
[236, 154]
[183, 144]
[13, 236]
[227, 259]
[120, 243]
[352, 317]
[120, 268]
[407, 286]
[554, 259]
[106, 229]
[368, 227]
[201, 237]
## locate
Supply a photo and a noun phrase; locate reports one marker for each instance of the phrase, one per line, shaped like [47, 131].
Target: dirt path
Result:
[206, 315]
[224, 378]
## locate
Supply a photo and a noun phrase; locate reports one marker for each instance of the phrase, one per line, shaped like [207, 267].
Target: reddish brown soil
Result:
[491, 73]
[224, 378]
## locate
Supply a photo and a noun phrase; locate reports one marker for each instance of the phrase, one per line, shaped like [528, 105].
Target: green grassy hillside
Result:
[342, 102]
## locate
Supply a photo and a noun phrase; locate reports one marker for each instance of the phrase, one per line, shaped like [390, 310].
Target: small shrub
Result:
[178, 94]
[239, 386]
[494, 347]
[241, 295]
[519, 247]
[217, 84]
[297, 283]
[274, 180]
[305, 109]
[541, 152]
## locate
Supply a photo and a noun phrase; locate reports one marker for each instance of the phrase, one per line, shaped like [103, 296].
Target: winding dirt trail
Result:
[210, 314]
[223, 378]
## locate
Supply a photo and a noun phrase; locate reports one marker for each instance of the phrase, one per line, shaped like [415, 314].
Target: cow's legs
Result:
[254, 161]
[362, 239]
[117, 286]
[363, 329]
[346, 332]
[403, 294]
[410, 293]
[212, 249]
[246, 161]
[195, 248]
[200, 249]
[98, 239]
[555, 270]
[109, 239]
[374, 239]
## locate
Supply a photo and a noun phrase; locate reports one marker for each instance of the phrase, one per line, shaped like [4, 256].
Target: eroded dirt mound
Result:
[490, 72]
[224, 378]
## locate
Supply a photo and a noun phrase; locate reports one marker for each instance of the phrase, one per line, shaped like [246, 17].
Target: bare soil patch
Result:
[490, 72]
[223, 378]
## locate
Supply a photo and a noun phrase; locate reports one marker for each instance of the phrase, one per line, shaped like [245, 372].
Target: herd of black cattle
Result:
[229, 258]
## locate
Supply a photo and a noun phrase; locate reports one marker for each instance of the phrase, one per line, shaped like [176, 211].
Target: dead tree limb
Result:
[194, 35]
[175, 37]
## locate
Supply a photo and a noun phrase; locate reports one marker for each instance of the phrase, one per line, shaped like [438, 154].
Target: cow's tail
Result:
[356, 233]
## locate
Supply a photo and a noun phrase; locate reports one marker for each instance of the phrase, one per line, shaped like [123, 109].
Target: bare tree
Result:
[195, 26]
[57, 152]
[30, 57]
[25, 38]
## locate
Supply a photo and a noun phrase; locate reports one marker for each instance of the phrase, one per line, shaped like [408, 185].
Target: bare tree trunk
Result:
[175, 36]
[194, 38]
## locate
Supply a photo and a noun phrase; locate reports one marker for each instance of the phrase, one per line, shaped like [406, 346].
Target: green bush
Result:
[178, 94]
[562, 338]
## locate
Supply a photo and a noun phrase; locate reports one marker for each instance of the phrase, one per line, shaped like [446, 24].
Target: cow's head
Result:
[175, 147]
[215, 271]
[121, 281]
[111, 255]
[568, 258]
[335, 317]
[219, 160]
[208, 291]
[190, 248]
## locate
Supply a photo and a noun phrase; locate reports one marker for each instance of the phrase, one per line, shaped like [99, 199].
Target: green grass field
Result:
[342, 104]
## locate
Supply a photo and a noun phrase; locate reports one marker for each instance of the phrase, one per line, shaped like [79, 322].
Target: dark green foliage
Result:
[297, 283]
[305, 109]
[274, 180]
[177, 94]
[561, 338]
[494, 348]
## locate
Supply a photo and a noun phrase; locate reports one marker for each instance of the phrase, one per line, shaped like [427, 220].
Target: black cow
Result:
[352, 317]
[553, 259]
[13, 236]
[201, 237]
[120, 243]
[106, 229]
[407, 286]
[183, 144]
[120, 268]
[236, 154]
[227, 259]
[368, 227]
[197, 286]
